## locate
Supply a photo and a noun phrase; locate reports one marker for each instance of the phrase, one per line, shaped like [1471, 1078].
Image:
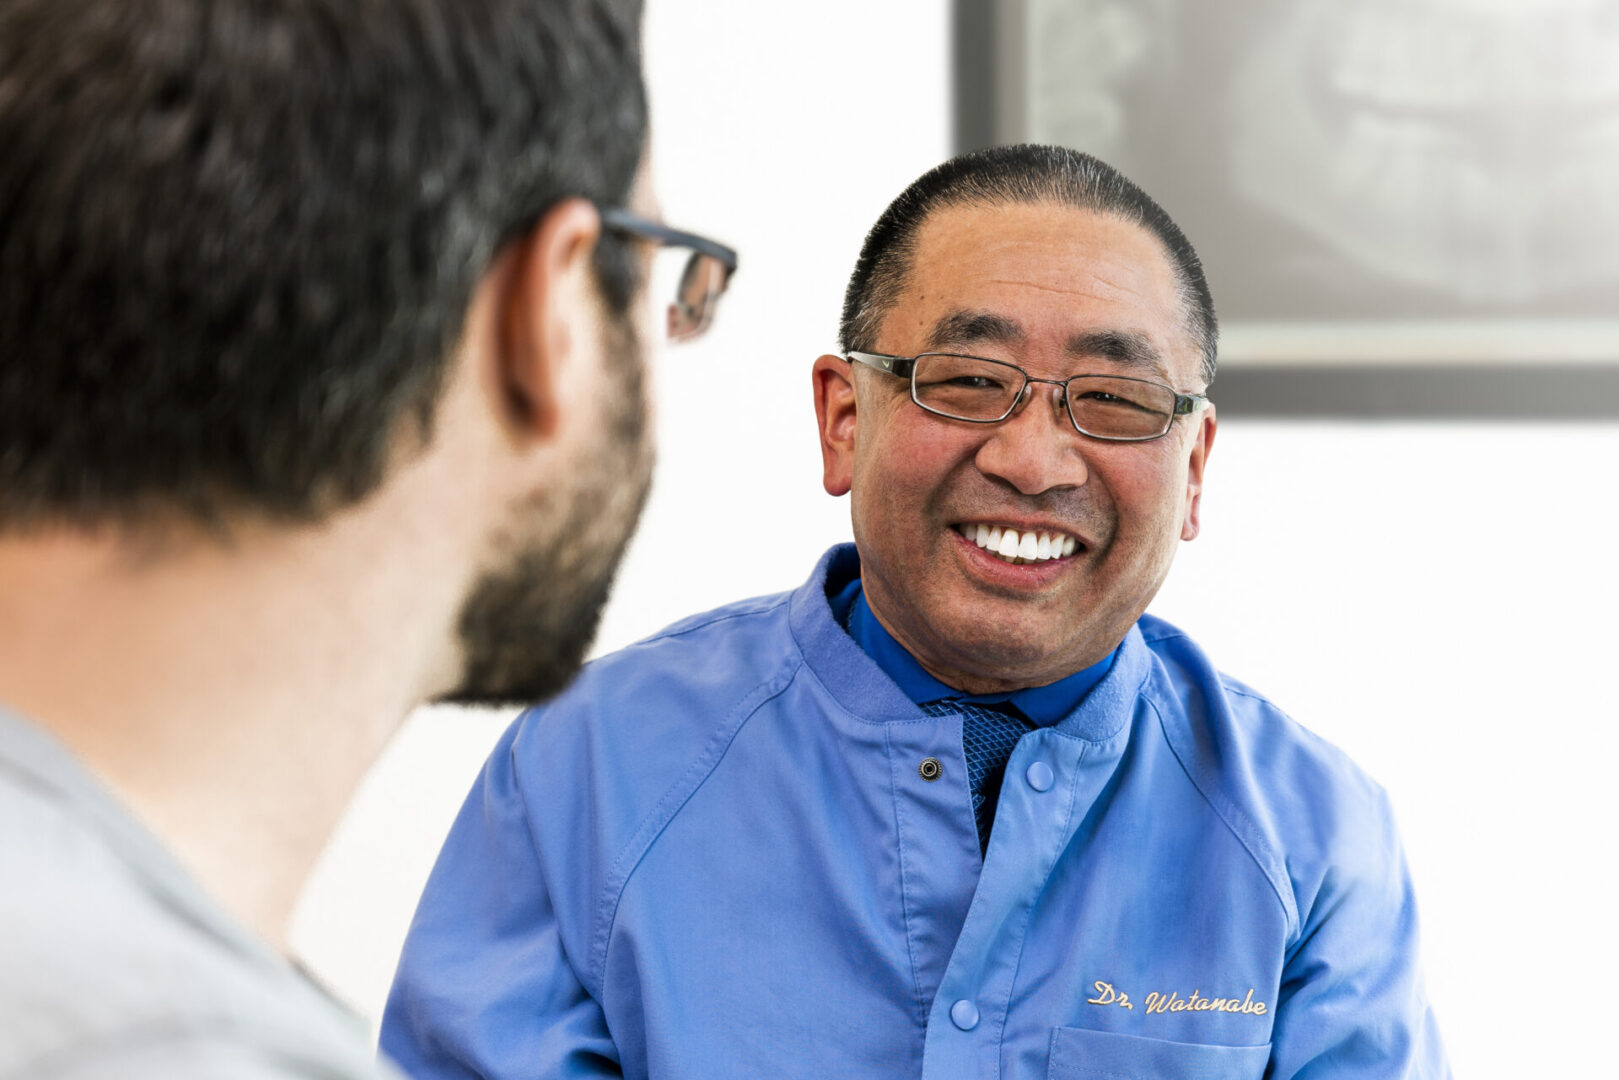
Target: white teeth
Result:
[1020, 547]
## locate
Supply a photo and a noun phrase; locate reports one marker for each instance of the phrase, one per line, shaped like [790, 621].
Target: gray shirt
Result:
[114, 963]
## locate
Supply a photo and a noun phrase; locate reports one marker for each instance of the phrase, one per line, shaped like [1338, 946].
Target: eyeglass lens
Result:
[689, 285]
[972, 388]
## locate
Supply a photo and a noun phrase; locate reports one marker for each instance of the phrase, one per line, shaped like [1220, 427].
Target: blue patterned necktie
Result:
[988, 734]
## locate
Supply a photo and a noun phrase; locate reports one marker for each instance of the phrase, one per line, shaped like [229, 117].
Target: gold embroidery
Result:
[1172, 1002]
[1106, 995]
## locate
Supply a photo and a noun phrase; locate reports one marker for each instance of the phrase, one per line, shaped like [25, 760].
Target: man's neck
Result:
[231, 697]
[978, 674]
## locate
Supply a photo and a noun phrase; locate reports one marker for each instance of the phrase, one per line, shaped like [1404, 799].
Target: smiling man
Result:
[956, 807]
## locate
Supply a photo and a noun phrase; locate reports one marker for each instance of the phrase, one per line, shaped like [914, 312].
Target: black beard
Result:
[526, 623]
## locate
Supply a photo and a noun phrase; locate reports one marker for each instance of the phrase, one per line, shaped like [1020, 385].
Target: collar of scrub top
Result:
[1043, 705]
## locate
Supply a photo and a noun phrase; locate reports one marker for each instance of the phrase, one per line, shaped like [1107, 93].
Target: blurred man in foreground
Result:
[955, 808]
[321, 338]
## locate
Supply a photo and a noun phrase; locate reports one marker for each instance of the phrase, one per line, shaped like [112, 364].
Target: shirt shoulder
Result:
[672, 690]
[589, 781]
[164, 1053]
[98, 966]
[1303, 808]
[640, 728]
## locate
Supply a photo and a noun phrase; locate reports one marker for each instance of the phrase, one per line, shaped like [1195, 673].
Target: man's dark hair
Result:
[1015, 174]
[238, 237]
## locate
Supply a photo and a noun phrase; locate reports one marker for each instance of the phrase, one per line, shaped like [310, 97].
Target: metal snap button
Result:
[964, 1014]
[930, 769]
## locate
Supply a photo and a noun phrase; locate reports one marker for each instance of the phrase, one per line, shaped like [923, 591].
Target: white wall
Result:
[1438, 600]
[1434, 599]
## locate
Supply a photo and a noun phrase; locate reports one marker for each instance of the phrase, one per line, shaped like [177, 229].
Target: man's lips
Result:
[1020, 544]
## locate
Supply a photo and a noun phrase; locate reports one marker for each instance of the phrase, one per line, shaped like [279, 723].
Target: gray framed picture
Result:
[1405, 207]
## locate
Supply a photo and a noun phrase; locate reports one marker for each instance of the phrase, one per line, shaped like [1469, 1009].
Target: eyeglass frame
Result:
[904, 367]
[620, 220]
[625, 221]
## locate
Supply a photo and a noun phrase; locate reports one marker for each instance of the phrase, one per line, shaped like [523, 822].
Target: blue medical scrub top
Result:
[716, 856]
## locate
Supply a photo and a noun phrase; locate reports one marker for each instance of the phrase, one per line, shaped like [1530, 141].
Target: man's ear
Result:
[835, 415]
[547, 319]
[1194, 473]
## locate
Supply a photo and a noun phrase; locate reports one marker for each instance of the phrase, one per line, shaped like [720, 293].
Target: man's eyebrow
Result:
[1122, 347]
[966, 328]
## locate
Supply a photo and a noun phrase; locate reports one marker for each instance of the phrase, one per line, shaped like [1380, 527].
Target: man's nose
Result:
[1035, 449]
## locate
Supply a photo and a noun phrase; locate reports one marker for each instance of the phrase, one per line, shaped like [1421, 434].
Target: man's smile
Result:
[1016, 546]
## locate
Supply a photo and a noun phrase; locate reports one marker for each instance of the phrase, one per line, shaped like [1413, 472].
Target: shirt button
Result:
[1040, 776]
[930, 769]
[964, 1014]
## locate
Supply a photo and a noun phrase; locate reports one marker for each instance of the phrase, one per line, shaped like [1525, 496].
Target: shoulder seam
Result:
[1304, 732]
[1226, 812]
[700, 622]
[668, 808]
[1252, 695]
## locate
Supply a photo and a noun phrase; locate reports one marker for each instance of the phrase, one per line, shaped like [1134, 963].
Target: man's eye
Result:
[975, 383]
[1119, 402]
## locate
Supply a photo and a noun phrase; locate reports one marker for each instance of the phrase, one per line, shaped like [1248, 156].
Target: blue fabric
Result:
[988, 737]
[1044, 705]
[992, 724]
[715, 857]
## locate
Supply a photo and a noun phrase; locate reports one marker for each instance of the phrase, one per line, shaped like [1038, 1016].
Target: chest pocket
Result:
[1082, 1054]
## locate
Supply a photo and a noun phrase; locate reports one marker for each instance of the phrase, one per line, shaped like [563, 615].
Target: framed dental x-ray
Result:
[1406, 208]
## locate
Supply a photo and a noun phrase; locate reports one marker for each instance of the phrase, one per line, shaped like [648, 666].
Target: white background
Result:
[1436, 599]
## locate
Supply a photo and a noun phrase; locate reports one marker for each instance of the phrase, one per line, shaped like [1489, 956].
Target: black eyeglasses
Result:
[696, 280]
[978, 390]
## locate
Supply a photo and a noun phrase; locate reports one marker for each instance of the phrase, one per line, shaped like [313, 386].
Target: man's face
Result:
[1037, 286]
[528, 619]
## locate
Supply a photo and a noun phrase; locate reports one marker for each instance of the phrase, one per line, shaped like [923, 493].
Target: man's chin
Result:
[476, 697]
[522, 676]
[1021, 652]
[526, 628]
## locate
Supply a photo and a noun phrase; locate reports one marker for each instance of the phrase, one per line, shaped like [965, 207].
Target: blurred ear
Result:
[1194, 473]
[835, 415]
[546, 320]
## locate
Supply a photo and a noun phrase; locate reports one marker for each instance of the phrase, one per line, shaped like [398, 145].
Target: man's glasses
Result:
[692, 269]
[983, 391]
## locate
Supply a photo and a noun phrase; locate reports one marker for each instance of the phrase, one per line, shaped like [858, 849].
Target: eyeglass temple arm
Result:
[616, 218]
[900, 366]
[1186, 403]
